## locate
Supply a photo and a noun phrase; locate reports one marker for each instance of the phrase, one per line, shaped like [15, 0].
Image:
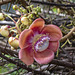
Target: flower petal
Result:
[25, 38]
[44, 57]
[53, 31]
[26, 55]
[37, 25]
[53, 45]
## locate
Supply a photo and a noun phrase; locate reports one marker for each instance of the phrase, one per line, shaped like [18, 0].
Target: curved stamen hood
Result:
[40, 42]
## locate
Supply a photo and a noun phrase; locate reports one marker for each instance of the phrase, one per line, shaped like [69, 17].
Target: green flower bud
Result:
[31, 6]
[15, 7]
[30, 16]
[28, 7]
[36, 12]
[34, 9]
[38, 9]
[21, 8]
[37, 15]
[24, 11]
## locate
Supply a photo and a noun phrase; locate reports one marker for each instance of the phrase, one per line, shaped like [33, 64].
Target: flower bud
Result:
[15, 7]
[24, 11]
[25, 20]
[31, 6]
[4, 31]
[38, 9]
[36, 12]
[30, 16]
[1, 16]
[28, 7]
[14, 42]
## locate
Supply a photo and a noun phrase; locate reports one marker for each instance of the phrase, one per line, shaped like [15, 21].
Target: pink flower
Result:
[39, 42]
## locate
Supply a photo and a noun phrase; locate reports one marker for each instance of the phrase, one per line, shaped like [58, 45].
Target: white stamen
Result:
[46, 38]
[42, 44]
[42, 47]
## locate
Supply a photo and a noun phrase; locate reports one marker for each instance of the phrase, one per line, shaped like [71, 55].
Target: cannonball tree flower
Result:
[39, 42]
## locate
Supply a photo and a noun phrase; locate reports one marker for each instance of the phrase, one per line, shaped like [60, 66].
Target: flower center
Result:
[40, 42]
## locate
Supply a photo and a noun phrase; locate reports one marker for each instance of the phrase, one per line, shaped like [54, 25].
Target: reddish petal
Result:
[53, 45]
[44, 57]
[53, 31]
[25, 38]
[26, 55]
[37, 25]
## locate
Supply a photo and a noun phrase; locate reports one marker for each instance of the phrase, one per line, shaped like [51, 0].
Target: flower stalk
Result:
[10, 18]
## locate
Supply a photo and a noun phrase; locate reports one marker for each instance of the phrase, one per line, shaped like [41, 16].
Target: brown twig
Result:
[53, 4]
[69, 35]
[70, 48]
[55, 61]
[8, 51]
[63, 63]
